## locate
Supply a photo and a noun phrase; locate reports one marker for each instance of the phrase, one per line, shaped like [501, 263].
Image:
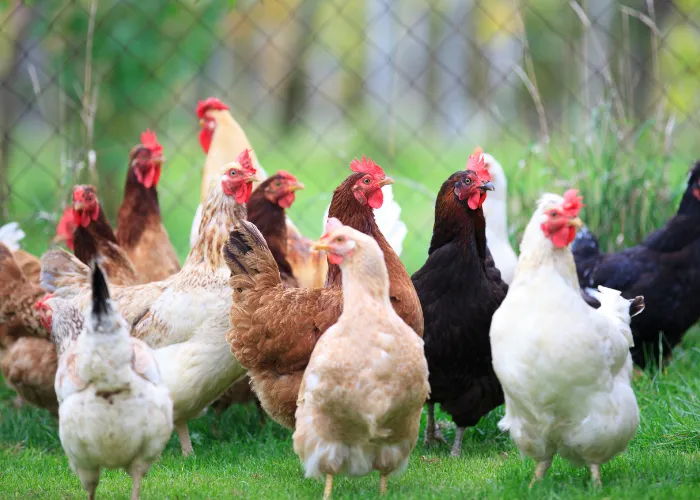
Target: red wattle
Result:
[564, 236]
[474, 200]
[335, 259]
[376, 199]
[205, 136]
[243, 192]
[286, 200]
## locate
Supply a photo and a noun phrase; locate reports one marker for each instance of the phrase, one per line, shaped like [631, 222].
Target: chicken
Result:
[496, 214]
[388, 219]
[459, 292]
[65, 229]
[185, 317]
[221, 139]
[266, 209]
[93, 238]
[17, 298]
[363, 390]
[10, 235]
[565, 367]
[664, 268]
[140, 232]
[114, 411]
[274, 329]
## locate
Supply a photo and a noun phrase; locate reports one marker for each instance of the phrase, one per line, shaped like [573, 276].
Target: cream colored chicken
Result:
[496, 215]
[565, 367]
[185, 317]
[362, 393]
[114, 413]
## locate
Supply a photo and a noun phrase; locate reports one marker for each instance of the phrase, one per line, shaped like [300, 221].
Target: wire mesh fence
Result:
[559, 91]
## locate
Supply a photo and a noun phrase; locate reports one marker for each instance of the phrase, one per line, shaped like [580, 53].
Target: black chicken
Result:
[459, 289]
[664, 268]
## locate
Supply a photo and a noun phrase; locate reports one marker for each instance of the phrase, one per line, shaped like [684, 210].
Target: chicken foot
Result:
[382, 485]
[540, 471]
[183, 433]
[433, 435]
[329, 487]
[595, 475]
[457, 445]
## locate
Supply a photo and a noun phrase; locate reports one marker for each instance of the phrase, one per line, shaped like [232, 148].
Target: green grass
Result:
[248, 461]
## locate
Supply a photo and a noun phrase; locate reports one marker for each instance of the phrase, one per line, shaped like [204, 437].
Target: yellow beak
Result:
[201, 122]
[576, 222]
[319, 245]
[295, 187]
[386, 181]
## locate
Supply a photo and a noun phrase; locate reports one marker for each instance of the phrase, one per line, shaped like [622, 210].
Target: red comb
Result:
[207, 104]
[245, 161]
[367, 166]
[573, 203]
[476, 163]
[150, 141]
[286, 175]
[332, 224]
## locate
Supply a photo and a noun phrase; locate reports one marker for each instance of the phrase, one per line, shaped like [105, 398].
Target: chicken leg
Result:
[595, 475]
[183, 433]
[433, 435]
[540, 471]
[457, 445]
[89, 479]
[137, 471]
[329, 487]
[382, 485]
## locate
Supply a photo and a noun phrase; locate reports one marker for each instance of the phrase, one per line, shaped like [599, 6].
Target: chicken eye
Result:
[366, 180]
[339, 239]
[467, 181]
[278, 183]
[553, 213]
[232, 173]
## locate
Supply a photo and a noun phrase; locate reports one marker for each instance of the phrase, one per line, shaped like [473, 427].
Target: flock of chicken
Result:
[333, 339]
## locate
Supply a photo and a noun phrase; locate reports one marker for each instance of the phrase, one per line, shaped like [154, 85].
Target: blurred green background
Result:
[602, 95]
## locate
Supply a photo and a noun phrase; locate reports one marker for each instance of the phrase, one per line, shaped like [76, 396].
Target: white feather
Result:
[10, 235]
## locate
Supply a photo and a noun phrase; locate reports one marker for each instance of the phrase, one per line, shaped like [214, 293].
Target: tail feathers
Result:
[63, 274]
[10, 235]
[247, 253]
[100, 294]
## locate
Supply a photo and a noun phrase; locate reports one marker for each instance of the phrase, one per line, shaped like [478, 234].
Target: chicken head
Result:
[560, 220]
[474, 182]
[368, 188]
[146, 160]
[281, 188]
[237, 179]
[86, 206]
[206, 113]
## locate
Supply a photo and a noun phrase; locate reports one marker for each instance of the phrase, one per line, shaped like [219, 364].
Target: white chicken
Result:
[10, 235]
[496, 214]
[363, 390]
[565, 367]
[113, 410]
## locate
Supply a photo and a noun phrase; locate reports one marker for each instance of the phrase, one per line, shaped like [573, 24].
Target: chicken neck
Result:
[270, 220]
[87, 239]
[138, 210]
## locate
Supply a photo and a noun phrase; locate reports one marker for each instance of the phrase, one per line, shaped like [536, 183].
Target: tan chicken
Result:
[10, 235]
[185, 317]
[362, 394]
[17, 297]
[222, 138]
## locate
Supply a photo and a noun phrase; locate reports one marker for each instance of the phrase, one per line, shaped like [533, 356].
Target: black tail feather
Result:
[100, 293]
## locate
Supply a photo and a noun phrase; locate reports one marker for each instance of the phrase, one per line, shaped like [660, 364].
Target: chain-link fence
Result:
[414, 84]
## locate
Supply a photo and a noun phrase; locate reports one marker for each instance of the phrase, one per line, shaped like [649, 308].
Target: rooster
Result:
[185, 317]
[459, 291]
[664, 268]
[565, 367]
[372, 422]
[114, 411]
[274, 328]
[140, 232]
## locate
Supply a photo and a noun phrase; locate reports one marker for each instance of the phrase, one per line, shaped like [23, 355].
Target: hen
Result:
[274, 329]
[114, 411]
[93, 238]
[266, 209]
[140, 231]
[459, 292]
[496, 214]
[184, 318]
[664, 268]
[362, 393]
[17, 298]
[564, 366]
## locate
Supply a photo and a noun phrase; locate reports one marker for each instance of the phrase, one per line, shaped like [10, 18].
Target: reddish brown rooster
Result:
[140, 231]
[274, 328]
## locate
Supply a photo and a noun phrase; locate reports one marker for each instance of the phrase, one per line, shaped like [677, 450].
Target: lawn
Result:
[626, 197]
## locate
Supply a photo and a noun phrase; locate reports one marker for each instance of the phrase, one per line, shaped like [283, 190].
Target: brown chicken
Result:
[140, 231]
[274, 328]
[266, 209]
[17, 298]
[222, 138]
[93, 238]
